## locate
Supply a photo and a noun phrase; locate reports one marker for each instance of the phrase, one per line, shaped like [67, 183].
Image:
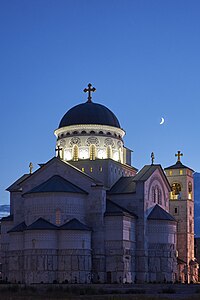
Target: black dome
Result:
[89, 113]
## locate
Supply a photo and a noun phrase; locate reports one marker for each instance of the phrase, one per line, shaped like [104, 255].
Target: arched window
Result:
[92, 152]
[109, 152]
[157, 195]
[190, 190]
[58, 217]
[75, 153]
[176, 191]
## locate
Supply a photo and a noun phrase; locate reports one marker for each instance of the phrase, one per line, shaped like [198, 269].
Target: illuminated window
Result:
[181, 172]
[176, 191]
[190, 190]
[91, 170]
[92, 152]
[100, 169]
[58, 217]
[75, 153]
[170, 173]
[83, 169]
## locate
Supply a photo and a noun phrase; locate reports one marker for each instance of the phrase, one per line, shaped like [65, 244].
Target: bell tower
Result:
[182, 209]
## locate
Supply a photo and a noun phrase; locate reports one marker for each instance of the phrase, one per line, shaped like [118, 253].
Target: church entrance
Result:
[109, 277]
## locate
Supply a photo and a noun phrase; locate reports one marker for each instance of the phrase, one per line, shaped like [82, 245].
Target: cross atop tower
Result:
[89, 90]
[152, 158]
[179, 154]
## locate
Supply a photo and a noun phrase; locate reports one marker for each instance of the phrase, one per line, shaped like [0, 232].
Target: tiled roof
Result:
[56, 184]
[74, 224]
[18, 228]
[117, 210]
[158, 213]
[178, 165]
[8, 218]
[125, 185]
[42, 224]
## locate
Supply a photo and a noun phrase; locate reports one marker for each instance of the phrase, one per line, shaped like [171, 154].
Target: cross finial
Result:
[30, 168]
[179, 154]
[89, 90]
[58, 149]
[152, 158]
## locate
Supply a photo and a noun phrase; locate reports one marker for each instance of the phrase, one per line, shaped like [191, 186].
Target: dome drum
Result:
[91, 144]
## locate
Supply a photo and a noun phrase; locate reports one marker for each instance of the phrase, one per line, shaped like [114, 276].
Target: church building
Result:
[87, 215]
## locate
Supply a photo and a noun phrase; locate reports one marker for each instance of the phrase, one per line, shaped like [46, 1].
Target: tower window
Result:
[170, 173]
[100, 169]
[108, 133]
[83, 169]
[100, 132]
[176, 191]
[190, 190]
[176, 210]
[92, 132]
[91, 170]
[83, 132]
[181, 172]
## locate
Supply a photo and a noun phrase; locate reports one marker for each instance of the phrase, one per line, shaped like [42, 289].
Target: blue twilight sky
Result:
[143, 57]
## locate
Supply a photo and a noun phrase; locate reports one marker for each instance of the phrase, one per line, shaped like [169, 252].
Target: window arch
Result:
[75, 153]
[92, 152]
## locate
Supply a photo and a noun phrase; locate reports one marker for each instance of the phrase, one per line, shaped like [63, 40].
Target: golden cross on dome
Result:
[179, 154]
[152, 158]
[58, 149]
[89, 90]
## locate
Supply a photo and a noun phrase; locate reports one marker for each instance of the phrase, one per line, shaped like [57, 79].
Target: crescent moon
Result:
[162, 121]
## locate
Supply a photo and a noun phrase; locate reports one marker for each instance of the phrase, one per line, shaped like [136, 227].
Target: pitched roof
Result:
[18, 228]
[15, 187]
[74, 224]
[178, 165]
[41, 224]
[113, 209]
[147, 171]
[158, 213]
[125, 185]
[56, 184]
[8, 218]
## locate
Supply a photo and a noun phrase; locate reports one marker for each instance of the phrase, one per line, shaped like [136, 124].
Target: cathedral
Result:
[88, 216]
